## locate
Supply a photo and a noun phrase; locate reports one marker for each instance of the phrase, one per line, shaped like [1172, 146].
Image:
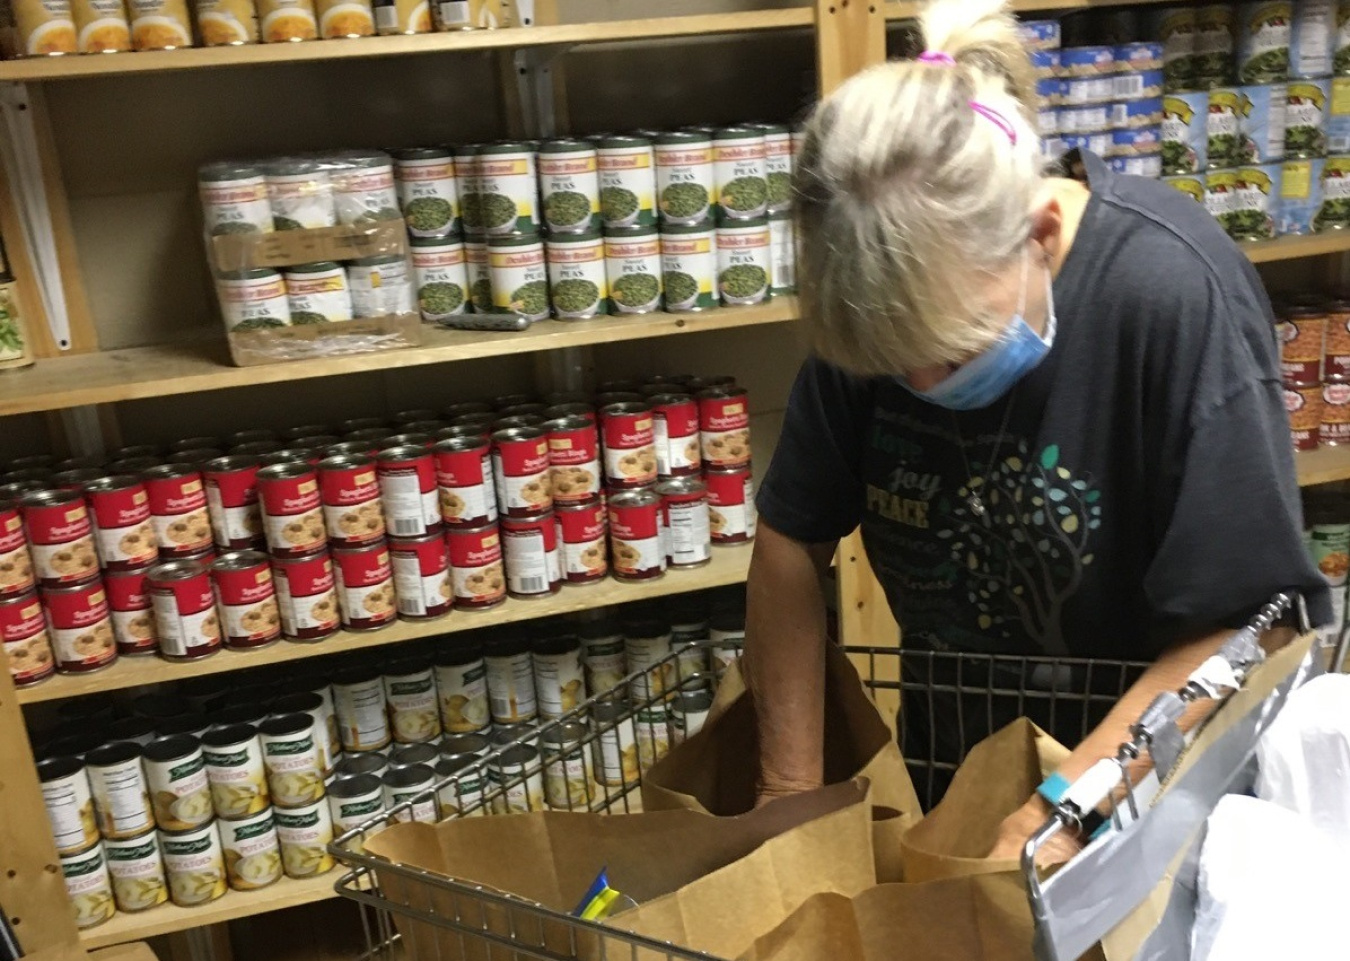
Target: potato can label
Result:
[179, 792]
[228, 22]
[89, 888]
[615, 753]
[560, 682]
[70, 809]
[412, 707]
[137, 870]
[45, 27]
[304, 835]
[567, 781]
[196, 866]
[252, 852]
[363, 723]
[238, 779]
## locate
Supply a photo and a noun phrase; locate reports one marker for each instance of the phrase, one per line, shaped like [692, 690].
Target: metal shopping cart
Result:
[975, 693]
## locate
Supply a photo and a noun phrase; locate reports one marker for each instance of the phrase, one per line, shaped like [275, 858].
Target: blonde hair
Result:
[907, 197]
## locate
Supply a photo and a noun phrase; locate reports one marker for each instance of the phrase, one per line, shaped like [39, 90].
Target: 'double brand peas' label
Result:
[743, 261]
[427, 192]
[627, 181]
[519, 276]
[689, 266]
[633, 266]
[569, 185]
[576, 274]
[442, 277]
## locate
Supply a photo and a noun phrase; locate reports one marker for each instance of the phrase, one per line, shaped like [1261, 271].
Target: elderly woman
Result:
[1053, 407]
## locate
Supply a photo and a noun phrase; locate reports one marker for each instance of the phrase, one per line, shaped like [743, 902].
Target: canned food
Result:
[69, 803]
[635, 535]
[352, 801]
[27, 646]
[633, 268]
[684, 521]
[1303, 403]
[137, 870]
[533, 565]
[567, 769]
[159, 24]
[782, 255]
[120, 792]
[476, 566]
[1263, 29]
[317, 293]
[407, 481]
[381, 286]
[1087, 61]
[740, 173]
[582, 531]
[688, 713]
[195, 864]
[519, 276]
[235, 771]
[1212, 62]
[177, 509]
[427, 191]
[463, 468]
[88, 885]
[306, 591]
[362, 714]
[315, 707]
[129, 605]
[1040, 35]
[292, 509]
[647, 648]
[1336, 360]
[626, 174]
[603, 656]
[731, 505]
[728, 638]
[629, 444]
[176, 776]
[246, 599]
[520, 461]
[60, 539]
[16, 564]
[291, 758]
[1261, 122]
[80, 628]
[410, 694]
[569, 186]
[574, 458]
[1185, 133]
[777, 165]
[357, 765]
[1147, 112]
[1091, 89]
[119, 508]
[463, 796]
[743, 262]
[507, 189]
[305, 834]
[724, 426]
[412, 785]
[421, 576]
[404, 755]
[653, 735]
[1335, 427]
[1256, 207]
[365, 587]
[461, 683]
[253, 299]
[1305, 122]
[186, 621]
[689, 265]
[516, 778]
[685, 182]
[559, 681]
[442, 277]
[252, 851]
[1302, 334]
[510, 680]
[614, 751]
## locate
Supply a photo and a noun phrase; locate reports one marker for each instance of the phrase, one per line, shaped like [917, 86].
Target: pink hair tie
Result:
[937, 58]
[997, 119]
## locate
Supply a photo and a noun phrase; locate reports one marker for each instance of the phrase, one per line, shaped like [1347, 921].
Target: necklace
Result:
[973, 499]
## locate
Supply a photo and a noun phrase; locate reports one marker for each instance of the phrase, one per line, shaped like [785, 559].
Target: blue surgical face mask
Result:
[994, 372]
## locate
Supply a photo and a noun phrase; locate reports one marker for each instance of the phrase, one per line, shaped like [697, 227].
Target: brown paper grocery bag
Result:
[715, 770]
[998, 776]
[712, 884]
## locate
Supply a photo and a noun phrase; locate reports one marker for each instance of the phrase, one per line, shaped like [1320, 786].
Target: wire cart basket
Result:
[442, 919]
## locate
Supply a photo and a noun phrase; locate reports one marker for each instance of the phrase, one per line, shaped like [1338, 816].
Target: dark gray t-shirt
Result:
[1144, 487]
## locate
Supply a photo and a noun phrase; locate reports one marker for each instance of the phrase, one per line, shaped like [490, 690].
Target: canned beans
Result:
[178, 509]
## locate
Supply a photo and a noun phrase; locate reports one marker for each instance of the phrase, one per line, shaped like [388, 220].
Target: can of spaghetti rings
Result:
[582, 530]
[530, 547]
[520, 465]
[16, 564]
[119, 508]
[27, 646]
[464, 480]
[178, 512]
[351, 500]
[629, 444]
[292, 509]
[421, 576]
[246, 599]
[407, 479]
[477, 574]
[306, 594]
[185, 610]
[675, 434]
[60, 537]
[574, 455]
[133, 620]
[365, 587]
[731, 505]
[724, 426]
[80, 628]
[684, 521]
[635, 541]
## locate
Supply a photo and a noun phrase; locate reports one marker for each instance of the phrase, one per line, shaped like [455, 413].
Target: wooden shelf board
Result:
[1323, 466]
[209, 58]
[729, 566]
[142, 372]
[168, 918]
[907, 9]
[1291, 248]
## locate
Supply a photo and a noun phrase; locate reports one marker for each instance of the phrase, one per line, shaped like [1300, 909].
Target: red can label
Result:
[676, 437]
[685, 527]
[246, 599]
[422, 576]
[81, 632]
[521, 471]
[23, 631]
[476, 566]
[61, 542]
[630, 448]
[133, 620]
[122, 529]
[351, 504]
[635, 537]
[574, 453]
[185, 615]
[464, 480]
[582, 531]
[232, 501]
[530, 546]
[724, 427]
[306, 591]
[731, 506]
[408, 489]
[178, 514]
[16, 567]
[292, 513]
[365, 587]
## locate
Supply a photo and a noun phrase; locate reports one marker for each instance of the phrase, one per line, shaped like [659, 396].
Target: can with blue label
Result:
[1185, 140]
[1098, 143]
[1261, 123]
[1138, 84]
[1095, 88]
[1192, 185]
[1333, 212]
[1087, 61]
[1305, 117]
[1300, 196]
[1312, 37]
[1045, 63]
[1221, 196]
[1052, 148]
[1144, 165]
[1137, 142]
[1138, 57]
[1223, 148]
[1137, 113]
[1087, 119]
[1213, 62]
[1338, 117]
[1262, 32]
[1175, 29]
[1047, 122]
[1256, 209]
[1040, 34]
[1049, 92]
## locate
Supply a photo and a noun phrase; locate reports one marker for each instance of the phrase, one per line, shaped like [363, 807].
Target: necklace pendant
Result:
[975, 504]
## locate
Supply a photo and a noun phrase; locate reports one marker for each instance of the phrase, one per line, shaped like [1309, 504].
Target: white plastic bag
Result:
[1305, 756]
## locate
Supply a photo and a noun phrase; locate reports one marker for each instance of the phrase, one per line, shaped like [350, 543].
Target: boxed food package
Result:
[309, 256]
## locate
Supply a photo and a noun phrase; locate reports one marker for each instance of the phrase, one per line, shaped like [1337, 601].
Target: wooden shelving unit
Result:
[1325, 465]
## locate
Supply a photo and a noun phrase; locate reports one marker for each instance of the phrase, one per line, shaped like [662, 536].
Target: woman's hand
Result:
[1019, 826]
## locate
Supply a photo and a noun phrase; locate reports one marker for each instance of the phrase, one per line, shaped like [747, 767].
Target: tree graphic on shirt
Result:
[1025, 558]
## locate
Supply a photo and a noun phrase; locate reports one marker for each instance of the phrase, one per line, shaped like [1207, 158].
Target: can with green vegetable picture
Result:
[480, 275]
[15, 348]
[519, 276]
[685, 188]
[743, 261]
[576, 274]
[569, 185]
[1223, 131]
[234, 199]
[777, 165]
[633, 269]
[739, 169]
[1263, 30]
[508, 189]
[318, 293]
[466, 182]
[689, 266]
[442, 277]
[427, 192]
[1256, 208]
[1333, 212]
[1305, 118]
[627, 181]
[253, 299]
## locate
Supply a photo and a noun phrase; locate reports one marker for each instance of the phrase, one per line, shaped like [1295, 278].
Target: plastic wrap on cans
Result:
[1312, 37]
[1097, 143]
[1333, 213]
[1300, 195]
[1261, 122]
[1088, 89]
[1305, 122]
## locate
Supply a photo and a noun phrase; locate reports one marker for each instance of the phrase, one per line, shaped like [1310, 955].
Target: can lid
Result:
[193, 724]
[520, 754]
[770, 129]
[55, 768]
[380, 259]
[635, 232]
[624, 141]
[314, 268]
[779, 216]
[450, 763]
[224, 170]
[422, 153]
[356, 158]
[573, 732]
[409, 776]
[239, 561]
[299, 702]
[566, 145]
[602, 628]
[529, 239]
[689, 137]
[588, 236]
[611, 708]
[505, 147]
[240, 715]
[354, 785]
[280, 726]
[743, 223]
[557, 644]
[737, 132]
[408, 755]
[366, 763]
[455, 652]
[251, 273]
[704, 226]
[290, 167]
[449, 243]
[171, 748]
[118, 752]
